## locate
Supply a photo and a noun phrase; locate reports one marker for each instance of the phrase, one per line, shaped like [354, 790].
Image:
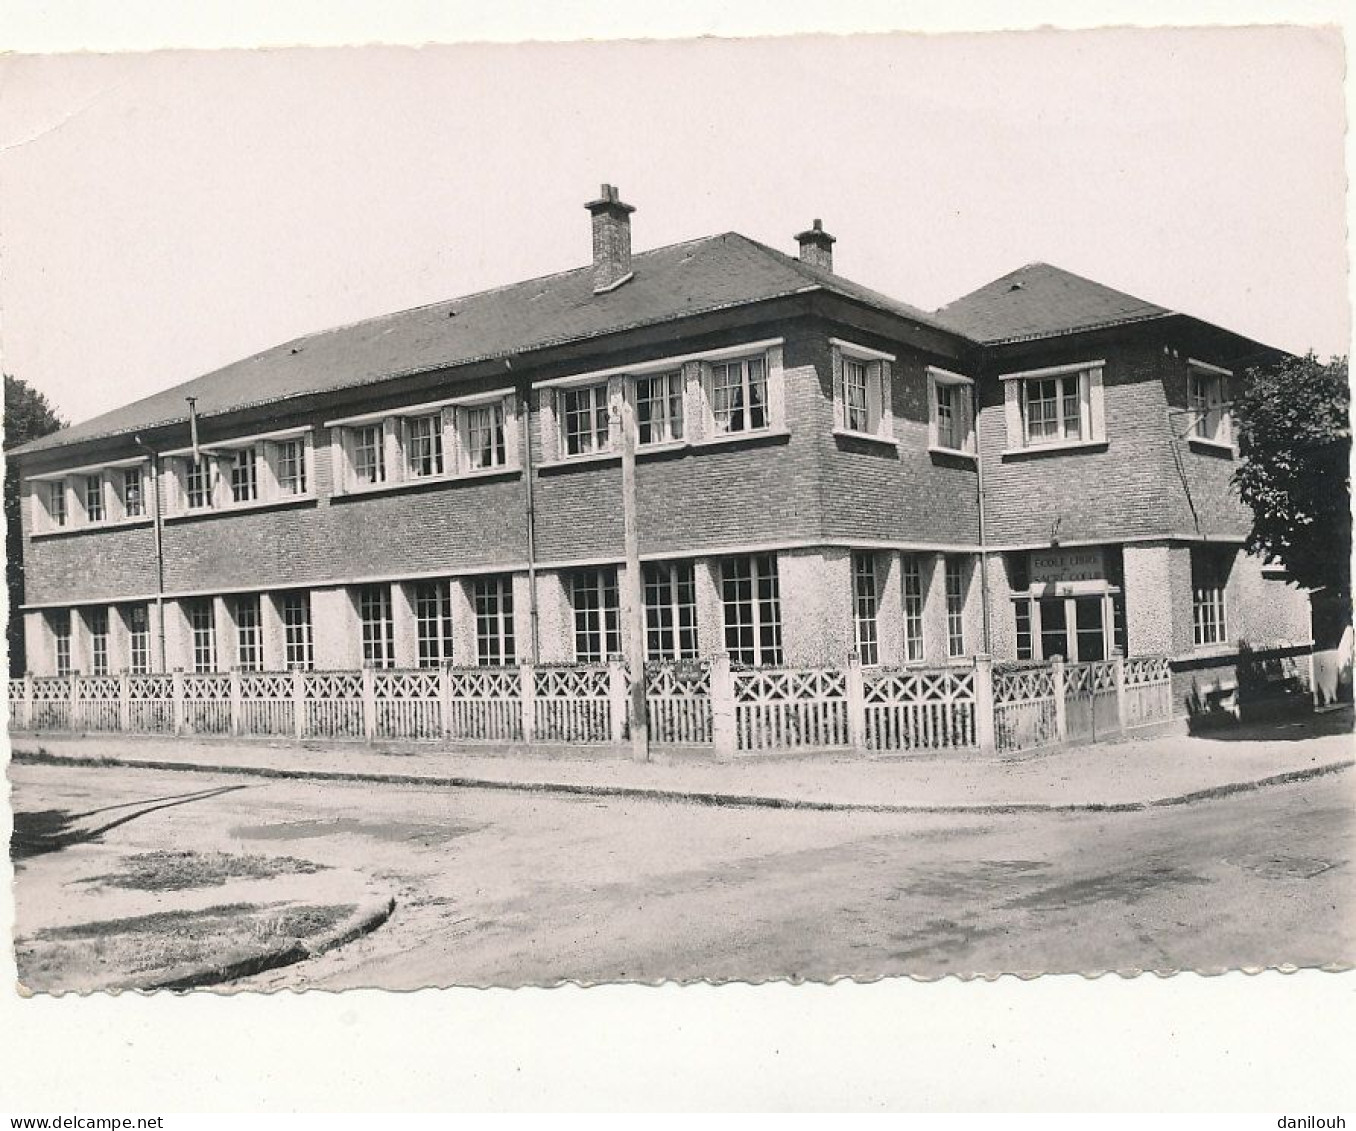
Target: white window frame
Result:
[99, 495]
[58, 518]
[914, 606]
[595, 602]
[376, 625]
[295, 484]
[492, 605]
[433, 630]
[298, 634]
[1209, 604]
[668, 427]
[956, 383]
[669, 594]
[243, 475]
[1211, 415]
[98, 640]
[744, 385]
[761, 567]
[138, 638]
[1089, 396]
[425, 457]
[247, 617]
[866, 607]
[466, 429]
[365, 474]
[873, 419]
[125, 495]
[955, 567]
[599, 436]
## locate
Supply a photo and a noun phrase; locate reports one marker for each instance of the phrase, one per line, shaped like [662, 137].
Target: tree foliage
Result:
[1295, 440]
[28, 415]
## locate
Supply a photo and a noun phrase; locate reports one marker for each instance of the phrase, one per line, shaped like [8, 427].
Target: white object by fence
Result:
[702, 704]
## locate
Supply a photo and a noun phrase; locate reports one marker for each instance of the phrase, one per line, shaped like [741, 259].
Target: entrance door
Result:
[1054, 628]
[1089, 628]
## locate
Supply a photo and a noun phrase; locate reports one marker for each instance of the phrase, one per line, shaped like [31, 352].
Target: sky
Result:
[167, 213]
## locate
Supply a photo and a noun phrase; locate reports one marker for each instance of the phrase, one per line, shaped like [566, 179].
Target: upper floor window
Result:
[1208, 401]
[861, 389]
[94, 498]
[198, 482]
[584, 420]
[739, 401]
[56, 502]
[1055, 407]
[133, 496]
[424, 445]
[245, 475]
[369, 453]
[951, 416]
[659, 408]
[291, 464]
[483, 436]
[670, 597]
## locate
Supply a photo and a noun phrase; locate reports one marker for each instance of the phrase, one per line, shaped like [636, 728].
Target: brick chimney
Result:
[611, 240]
[816, 246]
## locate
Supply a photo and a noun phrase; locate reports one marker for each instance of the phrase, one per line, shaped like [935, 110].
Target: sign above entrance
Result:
[1066, 568]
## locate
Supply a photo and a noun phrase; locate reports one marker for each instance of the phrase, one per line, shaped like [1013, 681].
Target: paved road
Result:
[507, 889]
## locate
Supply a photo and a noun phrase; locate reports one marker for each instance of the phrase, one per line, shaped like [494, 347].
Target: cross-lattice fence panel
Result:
[207, 703]
[408, 704]
[18, 705]
[266, 703]
[1090, 700]
[790, 709]
[334, 704]
[1024, 713]
[678, 703]
[1148, 690]
[98, 703]
[919, 709]
[51, 703]
[571, 704]
[485, 705]
[150, 706]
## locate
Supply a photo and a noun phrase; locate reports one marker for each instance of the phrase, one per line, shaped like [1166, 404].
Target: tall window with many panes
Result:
[56, 502]
[378, 629]
[98, 641]
[424, 445]
[61, 640]
[670, 596]
[202, 625]
[752, 606]
[139, 639]
[249, 645]
[492, 600]
[597, 616]
[659, 408]
[1209, 576]
[856, 410]
[483, 430]
[298, 646]
[433, 622]
[865, 604]
[198, 482]
[912, 571]
[1052, 408]
[955, 606]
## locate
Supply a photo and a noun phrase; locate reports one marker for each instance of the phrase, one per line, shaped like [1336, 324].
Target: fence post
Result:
[124, 701]
[616, 700]
[28, 701]
[237, 696]
[369, 703]
[298, 704]
[177, 694]
[856, 704]
[445, 700]
[1122, 706]
[527, 689]
[1057, 678]
[984, 726]
[75, 700]
[724, 739]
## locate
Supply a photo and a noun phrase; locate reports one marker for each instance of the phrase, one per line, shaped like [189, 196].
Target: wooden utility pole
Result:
[633, 610]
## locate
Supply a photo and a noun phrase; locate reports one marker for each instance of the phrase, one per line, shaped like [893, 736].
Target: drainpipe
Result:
[158, 525]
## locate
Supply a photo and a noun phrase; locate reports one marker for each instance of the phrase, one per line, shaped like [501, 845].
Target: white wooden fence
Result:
[704, 704]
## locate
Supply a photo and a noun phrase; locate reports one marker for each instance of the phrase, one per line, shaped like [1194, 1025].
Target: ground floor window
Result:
[98, 641]
[865, 604]
[249, 648]
[433, 622]
[597, 614]
[670, 594]
[1068, 603]
[202, 627]
[955, 606]
[138, 639]
[752, 608]
[61, 640]
[374, 613]
[1209, 576]
[492, 598]
[298, 643]
[912, 570]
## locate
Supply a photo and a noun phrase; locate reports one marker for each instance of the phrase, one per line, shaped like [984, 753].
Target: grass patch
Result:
[143, 949]
[179, 871]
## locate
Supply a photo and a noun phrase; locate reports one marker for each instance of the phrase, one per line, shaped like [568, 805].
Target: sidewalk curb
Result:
[691, 797]
[364, 921]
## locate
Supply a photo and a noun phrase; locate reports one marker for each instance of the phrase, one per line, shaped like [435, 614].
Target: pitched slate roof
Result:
[1040, 301]
[671, 282]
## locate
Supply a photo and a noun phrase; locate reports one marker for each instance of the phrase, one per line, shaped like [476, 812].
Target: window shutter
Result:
[113, 488]
[616, 390]
[1096, 405]
[173, 475]
[548, 428]
[267, 456]
[340, 459]
[452, 446]
[1012, 412]
[393, 447]
[887, 401]
[932, 411]
[969, 401]
[512, 456]
[776, 388]
[308, 461]
[219, 470]
[839, 392]
[873, 397]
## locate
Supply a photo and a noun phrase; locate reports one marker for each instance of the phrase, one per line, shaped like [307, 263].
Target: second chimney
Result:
[611, 240]
[816, 246]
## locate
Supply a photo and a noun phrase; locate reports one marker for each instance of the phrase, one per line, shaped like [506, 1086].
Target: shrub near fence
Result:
[701, 704]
